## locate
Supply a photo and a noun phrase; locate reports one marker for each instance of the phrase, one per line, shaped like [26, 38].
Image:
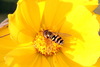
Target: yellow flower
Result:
[74, 18]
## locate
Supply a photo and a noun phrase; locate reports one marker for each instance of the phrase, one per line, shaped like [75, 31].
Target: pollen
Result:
[46, 46]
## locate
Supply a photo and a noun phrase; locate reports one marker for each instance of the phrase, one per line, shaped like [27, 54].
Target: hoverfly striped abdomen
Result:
[53, 37]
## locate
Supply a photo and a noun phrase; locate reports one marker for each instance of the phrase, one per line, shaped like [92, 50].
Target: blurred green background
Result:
[6, 7]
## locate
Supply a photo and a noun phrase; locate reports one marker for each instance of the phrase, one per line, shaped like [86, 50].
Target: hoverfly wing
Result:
[62, 34]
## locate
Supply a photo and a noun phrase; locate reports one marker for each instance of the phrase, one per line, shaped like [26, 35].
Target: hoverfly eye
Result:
[45, 32]
[49, 33]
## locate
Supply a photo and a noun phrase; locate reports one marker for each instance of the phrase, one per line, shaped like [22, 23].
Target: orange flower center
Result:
[46, 46]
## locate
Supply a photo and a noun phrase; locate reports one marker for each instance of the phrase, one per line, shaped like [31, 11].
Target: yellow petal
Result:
[5, 40]
[41, 61]
[81, 21]
[41, 8]
[3, 31]
[6, 45]
[81, 2]
[84, 44]
[25, 21]
[2, 64]
[30, 12]
[21, 56]
[55, 13]
[98, 18]
[26, 57]
[67, 60]
[91, 5]
[58, 61]
[98, 63]
[49, 12]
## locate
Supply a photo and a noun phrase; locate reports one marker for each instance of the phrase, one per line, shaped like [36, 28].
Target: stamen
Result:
[46, 46]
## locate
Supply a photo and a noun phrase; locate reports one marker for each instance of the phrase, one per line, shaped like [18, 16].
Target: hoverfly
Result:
[54, 37]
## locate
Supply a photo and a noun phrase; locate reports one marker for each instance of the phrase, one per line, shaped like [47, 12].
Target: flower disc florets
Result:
[46, 46]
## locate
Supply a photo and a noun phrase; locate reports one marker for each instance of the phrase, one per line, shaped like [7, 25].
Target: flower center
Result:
[46, 46]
